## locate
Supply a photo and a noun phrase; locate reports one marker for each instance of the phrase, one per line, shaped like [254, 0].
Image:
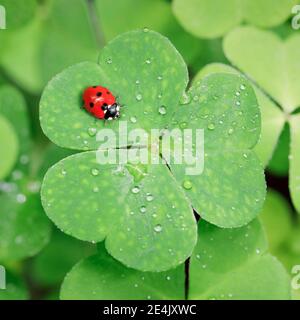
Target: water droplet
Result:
[245, 155]
[137, 82]
[92, 131]
[146, 29]
[242, 87]
[63, 172]
[230, 131]
[139, 97]
[237, 93]
[149, 197]
[143, 209]
[21, 198]
[148, 297]
[162, 110]
[109, 60]
[238, 103]
[159, 78]
[148, 61]
[198, 256]
[24, 159]
[158, 228]
[133, 119]
[257, 251]
[211, 126]
[168, 278]
[187, 185]
[183, 125]
[95, 172]
[96, 189]
[135, 190]
[185, 99]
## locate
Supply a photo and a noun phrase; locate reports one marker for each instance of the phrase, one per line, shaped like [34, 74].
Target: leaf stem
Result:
[96, 23]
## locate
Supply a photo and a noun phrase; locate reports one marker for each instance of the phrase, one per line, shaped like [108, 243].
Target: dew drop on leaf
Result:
[149, 197]
[158, 228]
[133, 119]
[95, 189]
[230, 131]
[211, 126]
[92, 131]
[139, 97]
[162, 110]
[187, 185]
[21, 198]
[135, 190]
[143, 209]
[95, 172]
[185, 99]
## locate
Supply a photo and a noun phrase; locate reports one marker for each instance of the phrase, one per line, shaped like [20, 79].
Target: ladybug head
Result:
[111, 111]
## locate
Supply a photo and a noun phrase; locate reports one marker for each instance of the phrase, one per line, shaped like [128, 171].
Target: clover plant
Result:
[145, 212]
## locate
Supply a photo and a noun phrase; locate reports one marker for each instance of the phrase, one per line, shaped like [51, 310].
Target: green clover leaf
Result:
[226, 107]
[8, 142]
[271, 117]
[52, 41]
[18, 12]
[202, 19]
[123, 203]
[24, 227]
[58, 257]
[113, 204]
[276, 74]
[249, 272]
[278, 226]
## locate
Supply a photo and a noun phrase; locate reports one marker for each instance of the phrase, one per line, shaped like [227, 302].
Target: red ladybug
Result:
[101, 103]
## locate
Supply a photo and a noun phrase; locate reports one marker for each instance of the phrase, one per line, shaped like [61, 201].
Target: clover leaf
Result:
[19, 12]
[276, 74]
[201, 18]
[52, 41]
[226, 107]
[278, 226]
[123, 203]
[58, 257]
[22, 235]
[250, 272]
[9, 142]
[271, 117]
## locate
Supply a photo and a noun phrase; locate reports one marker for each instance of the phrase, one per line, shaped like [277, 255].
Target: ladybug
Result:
[101, 103]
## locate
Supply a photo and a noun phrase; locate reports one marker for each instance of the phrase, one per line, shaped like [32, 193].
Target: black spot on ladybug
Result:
[91, 104]
[107, 92]
[99, 94]
[94, 87]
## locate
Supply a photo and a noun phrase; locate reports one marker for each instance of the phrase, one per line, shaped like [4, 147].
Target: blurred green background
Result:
[45, 36]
